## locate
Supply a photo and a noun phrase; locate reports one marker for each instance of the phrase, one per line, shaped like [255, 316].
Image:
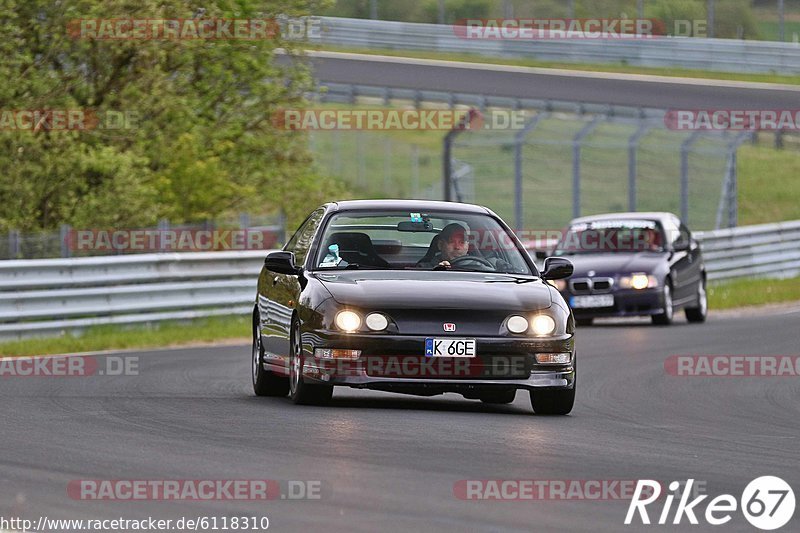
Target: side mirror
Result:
[557, 268]
[681, 246]
[281, 263]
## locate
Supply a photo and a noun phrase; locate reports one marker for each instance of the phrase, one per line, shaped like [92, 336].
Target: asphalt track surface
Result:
[389, 462]
[538, 83]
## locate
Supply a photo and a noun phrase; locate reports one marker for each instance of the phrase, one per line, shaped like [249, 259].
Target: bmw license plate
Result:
[587, 302]
[450, 348]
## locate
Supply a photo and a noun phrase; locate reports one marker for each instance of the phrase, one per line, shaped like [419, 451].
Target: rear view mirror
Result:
[557, 268]
[408, 225]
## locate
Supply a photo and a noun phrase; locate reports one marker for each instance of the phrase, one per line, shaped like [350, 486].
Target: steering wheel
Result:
[472, 258]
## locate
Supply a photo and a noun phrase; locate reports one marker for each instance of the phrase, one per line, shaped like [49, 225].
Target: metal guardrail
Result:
[696, 53]
[765, 250]
[50, 296]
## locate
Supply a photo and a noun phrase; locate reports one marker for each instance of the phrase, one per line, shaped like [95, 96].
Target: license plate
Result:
[584, 302]
[450, 348]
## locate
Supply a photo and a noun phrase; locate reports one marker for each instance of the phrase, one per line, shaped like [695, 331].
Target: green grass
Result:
[593, 67]
[769, 188]
[750, 292]
[176, 333]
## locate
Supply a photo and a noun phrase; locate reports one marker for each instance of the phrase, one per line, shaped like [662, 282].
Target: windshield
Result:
[611, 236]
[424, 241]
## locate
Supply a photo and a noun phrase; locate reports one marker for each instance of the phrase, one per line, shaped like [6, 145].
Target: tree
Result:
[198, 142]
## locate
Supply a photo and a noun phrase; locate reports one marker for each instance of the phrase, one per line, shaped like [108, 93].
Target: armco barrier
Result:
[696, 53]
[48, 296]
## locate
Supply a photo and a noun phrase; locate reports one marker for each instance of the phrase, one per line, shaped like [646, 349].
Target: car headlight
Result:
[348, 321]
[517, 324]
[543, 325]
[638, 281]
[376, 322]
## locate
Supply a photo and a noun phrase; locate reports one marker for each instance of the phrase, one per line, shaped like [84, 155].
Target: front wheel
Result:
[301, 392]
[665, 318]
[265, 383]
[699, 313]
[552, 401]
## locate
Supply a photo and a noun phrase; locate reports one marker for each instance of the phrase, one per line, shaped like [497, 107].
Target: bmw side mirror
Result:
[681, 246]
[281, 263]
[557, 268]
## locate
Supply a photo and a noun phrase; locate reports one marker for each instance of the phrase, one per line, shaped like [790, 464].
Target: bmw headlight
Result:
[348, 321]
[543, 325]
[638, 281]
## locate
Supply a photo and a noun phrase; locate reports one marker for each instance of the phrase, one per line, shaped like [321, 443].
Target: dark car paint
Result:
[683, 268]
[417, 301]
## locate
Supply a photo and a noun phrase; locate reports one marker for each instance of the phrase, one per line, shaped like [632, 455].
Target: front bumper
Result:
[627, 302]
[397, 363]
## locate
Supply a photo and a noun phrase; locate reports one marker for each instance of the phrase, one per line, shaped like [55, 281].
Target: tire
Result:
[584, 321]
[665, 318]
[500, 396]
[552, 401]
[265, 383]
[698, 314]
[301, 392]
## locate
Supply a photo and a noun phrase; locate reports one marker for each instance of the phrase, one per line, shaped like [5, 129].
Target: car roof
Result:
[653, 215]
[407, 205]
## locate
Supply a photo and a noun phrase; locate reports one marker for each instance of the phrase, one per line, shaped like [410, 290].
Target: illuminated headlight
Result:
[517, 324]
[348, 321]
[638, 281]
[543, 325]
[376, 322]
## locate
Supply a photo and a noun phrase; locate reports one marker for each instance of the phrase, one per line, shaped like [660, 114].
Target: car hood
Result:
[614, 263]
[436, 290]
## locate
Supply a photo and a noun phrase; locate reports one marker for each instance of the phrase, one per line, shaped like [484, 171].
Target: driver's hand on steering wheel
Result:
[443, 265]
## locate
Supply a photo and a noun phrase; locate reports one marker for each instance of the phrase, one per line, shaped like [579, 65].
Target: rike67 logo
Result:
[767, 503]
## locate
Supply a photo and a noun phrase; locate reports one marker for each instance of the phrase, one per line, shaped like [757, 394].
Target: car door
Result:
[284, 292]
[694, 268]
[681, 263]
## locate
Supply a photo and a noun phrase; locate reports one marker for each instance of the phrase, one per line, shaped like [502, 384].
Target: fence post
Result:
[576, 163]
[633, 146]
[415, 169]
[63, 235]
[447, 152]
[387, 166]
[13, 244]
[519, 140]
[686, 146]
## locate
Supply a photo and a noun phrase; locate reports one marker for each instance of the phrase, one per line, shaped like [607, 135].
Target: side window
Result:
[671, 232]
[301, 240]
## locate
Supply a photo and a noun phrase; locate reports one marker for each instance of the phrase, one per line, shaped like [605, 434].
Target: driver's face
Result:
[454, 247]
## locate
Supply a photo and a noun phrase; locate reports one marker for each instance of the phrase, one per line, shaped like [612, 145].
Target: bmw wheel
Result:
[699, 313]
[665, 318]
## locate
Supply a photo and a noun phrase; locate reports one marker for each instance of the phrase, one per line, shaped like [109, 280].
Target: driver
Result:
[453, 243]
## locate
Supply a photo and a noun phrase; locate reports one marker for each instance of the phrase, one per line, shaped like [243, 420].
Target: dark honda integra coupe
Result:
[414, 297]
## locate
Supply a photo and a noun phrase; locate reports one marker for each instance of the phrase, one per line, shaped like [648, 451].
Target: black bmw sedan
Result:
[416, 297]
[633, 264]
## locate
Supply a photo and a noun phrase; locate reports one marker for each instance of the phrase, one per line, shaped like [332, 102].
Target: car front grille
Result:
[599, 285]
